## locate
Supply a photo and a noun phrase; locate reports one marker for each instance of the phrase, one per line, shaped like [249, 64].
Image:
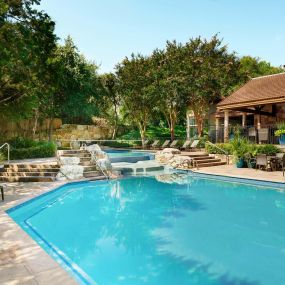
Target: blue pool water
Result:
[128, 155]
[167, 229]
[116, 153]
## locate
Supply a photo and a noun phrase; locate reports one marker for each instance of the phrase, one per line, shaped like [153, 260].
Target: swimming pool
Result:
[165, 229]
[128, 155]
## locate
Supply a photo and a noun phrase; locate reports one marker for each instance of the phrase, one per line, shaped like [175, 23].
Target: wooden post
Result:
[243, 120]
[188, 126]
[217, 129]
[226, 126]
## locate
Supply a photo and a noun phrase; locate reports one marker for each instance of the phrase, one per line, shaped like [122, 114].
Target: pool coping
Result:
[46, 267]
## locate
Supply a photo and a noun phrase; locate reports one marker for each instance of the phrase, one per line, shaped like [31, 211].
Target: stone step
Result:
[37, 166]
[202, 157]
[30, 170]
[72, 152]
[198, 161]
[192, 155]
[88, 174]
[85, 158]
[90, 168]
[20, 174]
[27, 179]
[76, 155]
[86, 163]
[208, 164]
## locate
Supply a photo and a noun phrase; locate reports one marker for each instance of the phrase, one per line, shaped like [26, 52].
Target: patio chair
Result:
[185, 145]
[194, 144]
[155, 144]
[252, 134]
[263, 135]
[165, 144]
[261, 161]
[174, 143]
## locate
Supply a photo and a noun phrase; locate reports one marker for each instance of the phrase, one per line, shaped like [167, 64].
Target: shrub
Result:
[19, 142]
[224, 146]
[268, 149]
[117, 144]
[37, 150]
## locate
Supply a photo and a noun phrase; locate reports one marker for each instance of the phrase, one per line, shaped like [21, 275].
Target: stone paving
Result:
[249, 173]
[22, 260]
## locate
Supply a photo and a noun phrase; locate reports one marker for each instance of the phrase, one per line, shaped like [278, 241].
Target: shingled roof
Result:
[258, 91]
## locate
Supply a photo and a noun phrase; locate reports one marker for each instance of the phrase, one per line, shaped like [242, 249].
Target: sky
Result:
[106, 31]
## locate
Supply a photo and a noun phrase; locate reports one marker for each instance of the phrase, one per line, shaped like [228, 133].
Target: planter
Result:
[240, 163]
[282, 139]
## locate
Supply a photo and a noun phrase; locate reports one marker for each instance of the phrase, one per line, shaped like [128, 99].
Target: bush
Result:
[22, 148]
[253, 149]
[268, 149]
[117, 144]
[224, 146]
[19, 142]
[37, 150]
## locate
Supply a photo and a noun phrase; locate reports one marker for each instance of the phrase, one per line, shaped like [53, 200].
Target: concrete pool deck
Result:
[23, 261]
[248, 173]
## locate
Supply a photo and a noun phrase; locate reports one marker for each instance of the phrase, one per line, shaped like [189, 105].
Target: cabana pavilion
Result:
[257, 107]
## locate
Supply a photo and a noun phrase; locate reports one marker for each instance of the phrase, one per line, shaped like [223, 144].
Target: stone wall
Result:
[24, 128]
[81, 132]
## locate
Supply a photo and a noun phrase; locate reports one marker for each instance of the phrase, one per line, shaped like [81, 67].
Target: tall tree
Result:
[168, 79]
[26, 41]
[111, 100]
[210, 72]
[139, 96]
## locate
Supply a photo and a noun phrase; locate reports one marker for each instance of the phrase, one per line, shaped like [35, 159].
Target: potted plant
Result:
[281, 132]
[250, 156]
[240, 150]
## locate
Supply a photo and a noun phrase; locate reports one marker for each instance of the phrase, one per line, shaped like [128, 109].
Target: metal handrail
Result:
[222, 150]
[8, 150]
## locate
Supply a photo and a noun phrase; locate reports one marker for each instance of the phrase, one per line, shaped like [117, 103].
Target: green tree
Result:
[111, 100]
[26, 41]
[251, 67]
[136, 85]
[210, 72]
[168, 79]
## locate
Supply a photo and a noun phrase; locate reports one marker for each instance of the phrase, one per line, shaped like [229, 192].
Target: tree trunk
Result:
[199, 121]
[142, 133]
[115, 124]
[35, 123]
[50, 130]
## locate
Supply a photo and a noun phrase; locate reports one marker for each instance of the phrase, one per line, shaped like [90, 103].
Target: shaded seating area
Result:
[271, 162]
[256, 108]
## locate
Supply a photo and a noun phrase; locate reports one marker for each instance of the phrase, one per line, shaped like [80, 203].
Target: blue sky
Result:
[106, 31]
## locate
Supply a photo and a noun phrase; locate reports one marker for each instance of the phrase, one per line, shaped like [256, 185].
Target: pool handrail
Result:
[220, 149]
[8, 150]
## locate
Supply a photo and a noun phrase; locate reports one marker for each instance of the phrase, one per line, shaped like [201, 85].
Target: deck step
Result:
[30, 170]
[208, 164]
[89, 174]
[25, 174]
[27, 179]
[207, 160]
[202, 157]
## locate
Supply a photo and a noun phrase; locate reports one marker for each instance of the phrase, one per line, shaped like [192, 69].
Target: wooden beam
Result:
[253, 111]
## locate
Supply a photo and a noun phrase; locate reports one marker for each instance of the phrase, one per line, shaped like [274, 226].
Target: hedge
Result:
[38, 150]
[268, 149]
